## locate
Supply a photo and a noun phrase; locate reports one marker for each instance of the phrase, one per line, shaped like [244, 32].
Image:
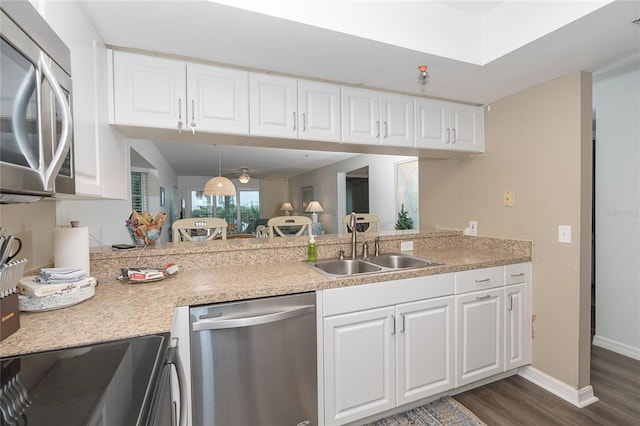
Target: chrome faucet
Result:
[376, 249]
[354, 239]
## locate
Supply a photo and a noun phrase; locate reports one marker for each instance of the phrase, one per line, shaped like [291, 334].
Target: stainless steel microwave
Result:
[36, 130]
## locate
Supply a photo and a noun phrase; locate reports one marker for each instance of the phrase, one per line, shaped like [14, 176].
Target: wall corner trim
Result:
[578, 397]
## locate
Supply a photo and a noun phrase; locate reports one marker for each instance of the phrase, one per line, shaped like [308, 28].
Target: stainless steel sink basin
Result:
[382, 263]
[345, 267]
[399, 261]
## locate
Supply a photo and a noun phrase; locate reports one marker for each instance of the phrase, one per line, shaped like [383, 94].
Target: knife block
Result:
[9, 315]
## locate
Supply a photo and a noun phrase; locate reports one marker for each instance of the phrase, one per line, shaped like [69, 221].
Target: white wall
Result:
[106, 218]
[382, 189]
[616, 100]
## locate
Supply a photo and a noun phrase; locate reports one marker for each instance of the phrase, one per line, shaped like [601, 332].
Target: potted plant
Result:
[404, 221]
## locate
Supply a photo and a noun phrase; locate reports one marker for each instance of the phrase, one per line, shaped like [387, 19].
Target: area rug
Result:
[445, 411]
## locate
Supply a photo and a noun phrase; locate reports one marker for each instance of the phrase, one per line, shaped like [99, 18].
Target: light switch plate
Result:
[406, 246]
[507, 199]
[564, 234]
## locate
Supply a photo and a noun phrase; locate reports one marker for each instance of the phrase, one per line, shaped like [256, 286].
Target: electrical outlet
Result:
[507, 199]
[406, 246]
[473, 227]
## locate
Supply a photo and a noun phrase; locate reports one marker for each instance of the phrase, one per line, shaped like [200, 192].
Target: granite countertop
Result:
[121, 310]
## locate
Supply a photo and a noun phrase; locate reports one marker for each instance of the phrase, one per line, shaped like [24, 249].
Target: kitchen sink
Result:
[345, 267]
[382, 263]
[399, 261]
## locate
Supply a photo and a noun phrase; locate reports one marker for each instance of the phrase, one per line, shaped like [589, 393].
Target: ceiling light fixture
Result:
[219, 186]
[423, 75]
[244, 176]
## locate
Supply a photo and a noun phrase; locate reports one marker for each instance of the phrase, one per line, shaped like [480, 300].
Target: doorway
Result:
[357, 191]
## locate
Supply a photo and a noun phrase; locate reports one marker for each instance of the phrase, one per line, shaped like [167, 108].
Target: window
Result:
[139, 192]
[227, 208]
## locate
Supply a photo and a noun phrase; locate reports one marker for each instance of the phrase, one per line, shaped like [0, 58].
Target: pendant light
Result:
[244, 176]
[219, 186]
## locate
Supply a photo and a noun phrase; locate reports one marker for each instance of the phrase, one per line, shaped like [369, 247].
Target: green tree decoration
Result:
[404, 221]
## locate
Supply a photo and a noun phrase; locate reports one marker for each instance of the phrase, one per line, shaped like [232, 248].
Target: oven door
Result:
[35, 118]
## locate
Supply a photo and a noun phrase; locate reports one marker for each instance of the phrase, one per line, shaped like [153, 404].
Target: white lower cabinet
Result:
[379, 358]
[479, 335]
[388, 344]
[359, 356]
[425, 349]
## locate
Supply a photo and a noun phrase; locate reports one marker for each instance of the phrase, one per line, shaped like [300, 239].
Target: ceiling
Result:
[477, 51]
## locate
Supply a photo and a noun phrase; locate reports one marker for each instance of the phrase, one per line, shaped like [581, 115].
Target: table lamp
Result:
[314, 207]
[286, 208]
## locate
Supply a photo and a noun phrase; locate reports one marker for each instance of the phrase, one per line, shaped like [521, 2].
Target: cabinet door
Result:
[432, 122]
[217, 99]
[467, 129]
[397, 120]
[149, 91]
[359, 364]
[318, 111]
[479, 335]
[273, 106]
[517, 340]
[360, 116]
[425, 361]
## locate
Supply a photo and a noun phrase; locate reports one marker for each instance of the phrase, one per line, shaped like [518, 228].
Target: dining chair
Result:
[365, 222]
[199, 229]
[289, 226]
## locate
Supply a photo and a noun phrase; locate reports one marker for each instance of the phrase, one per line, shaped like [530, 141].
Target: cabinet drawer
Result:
[479, 279]
[368, 296]
[516, 274]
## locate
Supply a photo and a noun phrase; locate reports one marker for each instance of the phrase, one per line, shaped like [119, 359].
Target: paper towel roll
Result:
[71, 248]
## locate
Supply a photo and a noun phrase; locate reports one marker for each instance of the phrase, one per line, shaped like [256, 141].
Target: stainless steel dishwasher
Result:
[254, 362]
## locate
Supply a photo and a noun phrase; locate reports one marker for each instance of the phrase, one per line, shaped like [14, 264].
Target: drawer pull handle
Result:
[521, 274]
[393, 325]
[486, 280]
[483, 297]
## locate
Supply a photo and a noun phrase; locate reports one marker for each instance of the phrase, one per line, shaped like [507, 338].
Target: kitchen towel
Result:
[71, 248]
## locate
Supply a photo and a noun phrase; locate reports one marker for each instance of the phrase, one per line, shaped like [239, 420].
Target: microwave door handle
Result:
[51, 171]
[19, 119]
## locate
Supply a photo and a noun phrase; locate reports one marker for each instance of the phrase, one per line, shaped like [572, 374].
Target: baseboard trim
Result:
[617, 347]
[578, 397]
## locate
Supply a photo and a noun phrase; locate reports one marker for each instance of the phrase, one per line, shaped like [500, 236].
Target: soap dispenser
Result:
[312, 249]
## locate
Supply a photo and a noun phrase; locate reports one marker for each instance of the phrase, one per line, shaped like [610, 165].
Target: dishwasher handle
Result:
[218, 324]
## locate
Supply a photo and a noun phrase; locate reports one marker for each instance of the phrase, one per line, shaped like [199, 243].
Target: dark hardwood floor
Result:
[516, 401]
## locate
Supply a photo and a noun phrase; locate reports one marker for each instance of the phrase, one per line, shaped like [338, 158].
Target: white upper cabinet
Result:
[298, 109]
[371, 117]
[274, 106]
[149, 91]
[318, 111]
[448, 125]
[217, 99]
[99, 150]
[171, 94]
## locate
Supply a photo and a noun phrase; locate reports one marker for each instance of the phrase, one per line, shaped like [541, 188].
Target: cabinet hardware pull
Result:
[401, 323]
[304, 121]
[510, 303]
[378, 127]
[521, 274]
[486, 280]
[386, 130]
[294, 121]
[454, 135]
[448, 135]
[193, 116]
[393, 326]
[483, 297]
[180, 124]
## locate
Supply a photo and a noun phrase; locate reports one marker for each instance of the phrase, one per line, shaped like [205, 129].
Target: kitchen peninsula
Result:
[221, 271]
